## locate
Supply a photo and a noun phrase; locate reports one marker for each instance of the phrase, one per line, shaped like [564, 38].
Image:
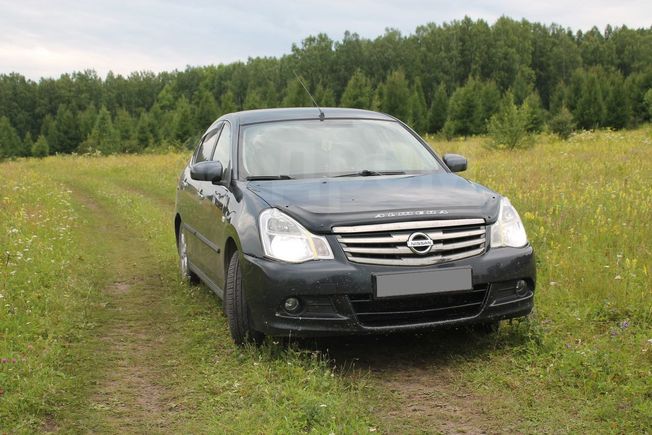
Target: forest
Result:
[446, 78]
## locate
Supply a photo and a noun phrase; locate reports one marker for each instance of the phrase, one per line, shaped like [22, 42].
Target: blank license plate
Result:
[420, 283]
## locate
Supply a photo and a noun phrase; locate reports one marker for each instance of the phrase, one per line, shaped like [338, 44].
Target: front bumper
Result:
[337, 296]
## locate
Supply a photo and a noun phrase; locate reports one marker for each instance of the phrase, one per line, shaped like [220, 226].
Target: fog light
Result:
[292, 305]
[521, 287]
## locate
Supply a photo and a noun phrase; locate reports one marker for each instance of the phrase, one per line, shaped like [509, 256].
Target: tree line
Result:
[450, 79]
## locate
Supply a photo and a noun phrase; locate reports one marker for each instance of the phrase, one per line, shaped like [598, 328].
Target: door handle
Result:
[201, 194]
[184, 183]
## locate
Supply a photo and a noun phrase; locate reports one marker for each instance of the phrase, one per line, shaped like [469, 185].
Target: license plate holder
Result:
[392, 285]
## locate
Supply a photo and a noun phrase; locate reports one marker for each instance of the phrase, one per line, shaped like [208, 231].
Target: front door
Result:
[216, 207]
[201, 253]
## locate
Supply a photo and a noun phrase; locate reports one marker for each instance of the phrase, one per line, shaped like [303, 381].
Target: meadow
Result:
[97, 333]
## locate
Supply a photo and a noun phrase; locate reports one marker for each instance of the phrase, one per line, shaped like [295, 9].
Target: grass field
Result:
[98, 334]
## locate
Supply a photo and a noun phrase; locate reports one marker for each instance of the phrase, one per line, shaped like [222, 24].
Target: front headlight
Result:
[508, 229]
[287, 240]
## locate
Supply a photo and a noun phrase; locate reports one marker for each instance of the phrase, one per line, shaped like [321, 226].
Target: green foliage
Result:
[10, 144]
[508, 128]
[143, 137]
[465, 110]
[124, 125]
[438, 110]
[183, 125]
[104, 137]
[296, 95]
[207, 111]
[64, 134]
[28, 142]
[590, 110]
[418, 118]
[324, 96]
[358, 92]
[618, 110]
[40, 148]
[648, 101]
[396, 95]
[535, 113]
[602, 77]
[253, 100]
[523, 85]
[562, 123]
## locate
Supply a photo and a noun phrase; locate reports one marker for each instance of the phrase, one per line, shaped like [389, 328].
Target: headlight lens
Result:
[508, 229]
[287, 240]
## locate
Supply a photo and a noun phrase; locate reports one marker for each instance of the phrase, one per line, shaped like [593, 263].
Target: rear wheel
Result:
[235, 305]
[184, 269]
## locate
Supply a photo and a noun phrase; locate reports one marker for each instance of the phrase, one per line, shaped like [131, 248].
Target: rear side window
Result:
[205, 150]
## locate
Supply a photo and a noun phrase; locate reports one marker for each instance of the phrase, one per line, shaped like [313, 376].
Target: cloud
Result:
[43, 38]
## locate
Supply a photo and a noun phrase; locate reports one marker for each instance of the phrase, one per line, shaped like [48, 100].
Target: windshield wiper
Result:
[268, 177]
[368, 173]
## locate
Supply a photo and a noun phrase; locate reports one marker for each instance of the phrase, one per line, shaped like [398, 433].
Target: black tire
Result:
[235, 306]
[187, 275]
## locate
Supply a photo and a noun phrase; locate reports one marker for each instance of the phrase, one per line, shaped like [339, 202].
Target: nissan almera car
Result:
[312, 222]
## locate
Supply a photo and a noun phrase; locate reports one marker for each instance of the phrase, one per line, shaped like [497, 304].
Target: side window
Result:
[207, 146]
[223, 148]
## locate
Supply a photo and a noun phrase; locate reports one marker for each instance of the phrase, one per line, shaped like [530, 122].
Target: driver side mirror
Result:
[207, 171]
[455, 162]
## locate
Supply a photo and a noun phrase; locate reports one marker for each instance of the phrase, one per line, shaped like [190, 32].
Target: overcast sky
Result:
[47, 38]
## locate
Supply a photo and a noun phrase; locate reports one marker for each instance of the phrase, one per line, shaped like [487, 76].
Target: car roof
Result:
[296, 113]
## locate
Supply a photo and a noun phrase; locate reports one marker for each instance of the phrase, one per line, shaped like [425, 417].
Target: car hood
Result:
[320, 204]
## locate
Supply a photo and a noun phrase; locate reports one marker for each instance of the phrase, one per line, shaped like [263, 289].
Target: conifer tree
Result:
[438, 110]
[396, 96]
[40, 148]
[28, 142]
[184, 126]
[227, 103]
[253, 100]
[324, 96]
[143, 137]
[590, 109]
[104, 137]
[207, 110]
[358, 92]
[534, 112]
[618, 109]
[418, 118]
[508, 127]
[124, 124]
[562, 123]
[295, 95]
[64, 135]
[10, 144]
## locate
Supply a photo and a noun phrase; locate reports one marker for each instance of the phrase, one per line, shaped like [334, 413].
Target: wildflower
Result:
[624, 324]
[618, 277]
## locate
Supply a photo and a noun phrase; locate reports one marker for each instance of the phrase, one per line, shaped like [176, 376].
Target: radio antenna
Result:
[321, 114]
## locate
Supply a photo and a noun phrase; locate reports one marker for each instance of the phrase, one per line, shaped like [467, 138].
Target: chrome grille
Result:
[387, 244]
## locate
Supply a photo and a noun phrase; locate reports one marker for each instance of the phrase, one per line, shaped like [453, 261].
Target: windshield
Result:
[330, 148]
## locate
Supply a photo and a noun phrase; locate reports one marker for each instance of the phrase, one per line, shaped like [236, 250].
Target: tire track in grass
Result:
[129, 395]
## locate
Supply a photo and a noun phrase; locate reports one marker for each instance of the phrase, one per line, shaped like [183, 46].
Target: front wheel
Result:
[235, 305]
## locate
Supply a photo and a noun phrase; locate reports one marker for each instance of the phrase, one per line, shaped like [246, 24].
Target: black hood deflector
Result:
[320, 204]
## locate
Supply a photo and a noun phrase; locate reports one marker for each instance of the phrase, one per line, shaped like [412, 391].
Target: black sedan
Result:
[314, 222]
